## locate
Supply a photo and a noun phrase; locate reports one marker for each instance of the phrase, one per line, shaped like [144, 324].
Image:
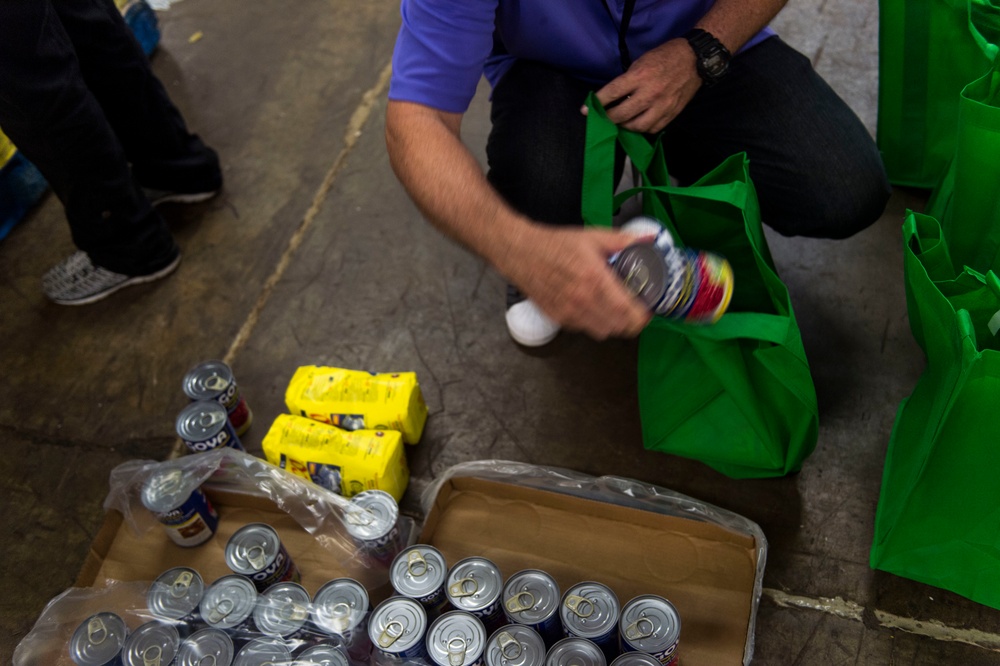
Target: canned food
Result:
[373, 523]
[651, 624]
[256, 551]
[635, 659]
[152, 644]
[204, 426]
[175, 595]
[474, 586]
[397, 629]
[282, 611]
[419, 572]
[590, 610]
[206, 647]
[323, 655]
[214, 380]
[340, 608]
[575, 652]
[456, 639]
[176, 499]
[228, 604]
[98, 640]
[263, 652]
[515, 645]
[532, 597]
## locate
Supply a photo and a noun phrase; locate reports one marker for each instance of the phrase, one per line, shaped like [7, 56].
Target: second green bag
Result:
[737, 395]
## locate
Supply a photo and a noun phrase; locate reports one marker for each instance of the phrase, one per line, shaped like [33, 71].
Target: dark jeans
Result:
[815, 167]
[79, 100]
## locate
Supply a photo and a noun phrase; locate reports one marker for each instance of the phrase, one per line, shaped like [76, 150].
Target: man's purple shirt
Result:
[444, 46]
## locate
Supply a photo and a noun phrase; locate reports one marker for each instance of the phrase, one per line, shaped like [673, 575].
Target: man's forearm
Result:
[734, 22]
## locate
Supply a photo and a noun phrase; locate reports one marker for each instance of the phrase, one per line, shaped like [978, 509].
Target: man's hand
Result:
[654, 89]
[565, 272]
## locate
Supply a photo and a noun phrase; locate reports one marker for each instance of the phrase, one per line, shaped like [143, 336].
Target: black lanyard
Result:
[626, 58]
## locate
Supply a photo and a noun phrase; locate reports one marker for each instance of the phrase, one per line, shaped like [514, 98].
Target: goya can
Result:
[322, 655]
[263, 652]
[152, 644]
[282, 611]
[590, 610]
[532, 597]
[575, 652]
[515, 645]
[204, 426]
[474, 585]
[419, 572]
[206, 647]
[98, 640]
[341, 608]
[456, 639]
[256, 551]
[635, 659]
[214, 380]
[176, 499]
[651, 624]
[397, 629]
[175, 595]
[373, 522]
[228, 604]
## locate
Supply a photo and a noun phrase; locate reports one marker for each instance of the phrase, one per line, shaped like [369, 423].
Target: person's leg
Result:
[55, 121]
[163, 153]
[816, 169]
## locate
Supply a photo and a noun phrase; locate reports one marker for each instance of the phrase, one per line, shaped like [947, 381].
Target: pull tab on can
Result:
[208, 660]
[521, 601]
[392, 633]
[293, 611]
[216, 383]
[152, 655]
[361, 517]
[580, 606]
[416, 565]
[221, 611]
[465, 587]
[456, 651]
[256, 557]
[181, 584]
[510, 647]
[97, 633]
[641, 628]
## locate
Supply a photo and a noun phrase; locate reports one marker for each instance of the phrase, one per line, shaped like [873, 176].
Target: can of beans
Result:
[98, 641]
[635, 659]
[531, 597]
[214, 380]
[152, 644]
[228, 605]
[263, 652]
[256, 551]
[204, 426]
[419, 572]
[397, 629]
[651, 624]
[206, 647]
[515, 645]
[176, 499]
[341, 608]
[373, 522]
[175, 595]
[474, 585]
[282, 611]
[575, 652]
[456, 639]
[322, 655]
[590, 610]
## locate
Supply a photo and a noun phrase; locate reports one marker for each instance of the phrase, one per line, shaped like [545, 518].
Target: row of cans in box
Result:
[218, 414]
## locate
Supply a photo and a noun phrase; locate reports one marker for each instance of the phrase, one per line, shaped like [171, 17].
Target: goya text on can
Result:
[228, 604]
[206, 647]
[341, 608]
[372, 520]
[590, 610]
[397, 629]
[98, 640]
[474, 585]
[204, 426]
[152, 644]
[419, 572]
[456, 639]
[282, 611]
[214, 380]
[256, 551]
[651, 624]
[515, 645]
[176, 499]
[575, 652]
[263, 652]
[532, 597]
[175, 595]
[322, 655]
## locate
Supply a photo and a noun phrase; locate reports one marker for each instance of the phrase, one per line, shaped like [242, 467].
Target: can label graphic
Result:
[174, 497]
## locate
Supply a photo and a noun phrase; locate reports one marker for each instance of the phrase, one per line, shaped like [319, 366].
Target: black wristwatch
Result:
[713, 57]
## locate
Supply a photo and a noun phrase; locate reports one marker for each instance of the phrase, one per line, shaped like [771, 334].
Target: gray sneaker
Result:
[77, 281]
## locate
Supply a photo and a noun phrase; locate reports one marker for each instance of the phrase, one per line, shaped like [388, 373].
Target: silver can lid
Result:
[340, 605]
[650, 623]
[531, 596]
[418, 571]
[201, 420]
[642, 270]
[456, 639]
[323, 655]
[372, 515]
[252, 548]
[281, 609]
[228, 602]
[589, 609]
[263, 652]
[175, 594]
[636, 659]
[473, 584]
[98, 640]
[515, 645]
[397, 625]
[152, 644]
[206, 647]
[167, 488]
[207, 380]
[575, 652]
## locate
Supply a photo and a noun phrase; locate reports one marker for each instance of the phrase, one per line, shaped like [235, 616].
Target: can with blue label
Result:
[206, 647]
[635, 659]
[341, 609]
[575, 651]
[419, 572]
[322, 655]
[282, 611]
[214, 380]
[228, 605]
[397, 629]
[256, 551]
[590, 610]
[372, 520]
[175, 595]
[515, 645]
[651, 624]
[204, 426]
[456, 639]
[152, 643]
[531, 597]
[175, 497]
[263, 652]
[474, 585]
[98, 641]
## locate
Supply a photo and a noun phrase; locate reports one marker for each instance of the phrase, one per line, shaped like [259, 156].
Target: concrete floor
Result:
[314, 255]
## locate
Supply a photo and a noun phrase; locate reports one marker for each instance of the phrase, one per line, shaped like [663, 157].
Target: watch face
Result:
[715, 64]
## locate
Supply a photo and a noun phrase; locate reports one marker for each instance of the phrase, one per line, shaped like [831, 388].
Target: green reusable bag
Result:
[737, 395]
[927, 54]
[938, 517]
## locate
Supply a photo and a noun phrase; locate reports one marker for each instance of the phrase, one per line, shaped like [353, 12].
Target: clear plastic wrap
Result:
[620, 491]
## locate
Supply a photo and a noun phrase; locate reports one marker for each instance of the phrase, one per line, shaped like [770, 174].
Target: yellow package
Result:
[7, 150]
[344, 462]
[353, 399]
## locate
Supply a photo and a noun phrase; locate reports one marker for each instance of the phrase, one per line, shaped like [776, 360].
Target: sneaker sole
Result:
[138, 279]
[185, 198]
